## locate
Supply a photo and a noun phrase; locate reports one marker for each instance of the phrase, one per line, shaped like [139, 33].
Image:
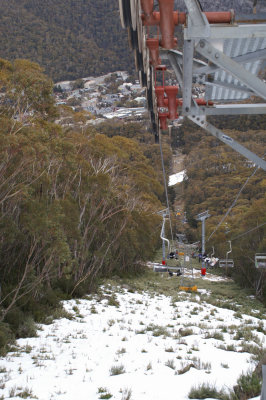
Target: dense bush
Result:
[75, 204]
[6, 338]
[248, 386]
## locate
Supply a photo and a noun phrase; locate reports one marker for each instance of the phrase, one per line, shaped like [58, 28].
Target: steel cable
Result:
[234, 202]
[250, 230]
[165, 185]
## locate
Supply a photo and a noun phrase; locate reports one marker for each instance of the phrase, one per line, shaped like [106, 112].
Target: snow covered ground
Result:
[127, 345]
[176, 178]
[123, 112]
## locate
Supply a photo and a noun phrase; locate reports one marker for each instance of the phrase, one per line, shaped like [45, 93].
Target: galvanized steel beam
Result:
[214, 55]
[177, 67]
[187, 75]
[230, 109]
[202, 122]
[229, 86]
[197, 20]
[245, 58]
[226, 32]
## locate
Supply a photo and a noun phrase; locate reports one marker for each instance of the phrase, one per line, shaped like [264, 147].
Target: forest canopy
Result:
[69, 39]
[231, 188]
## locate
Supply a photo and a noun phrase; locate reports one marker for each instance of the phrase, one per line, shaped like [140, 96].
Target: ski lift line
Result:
[165, 184]
[250, 230]
[234, 202]
[246, 232]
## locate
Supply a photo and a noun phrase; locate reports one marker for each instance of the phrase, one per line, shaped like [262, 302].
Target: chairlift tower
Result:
[224, 53]
[202, 217]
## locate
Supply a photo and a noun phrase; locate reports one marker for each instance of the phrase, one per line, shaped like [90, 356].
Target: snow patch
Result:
[176, 178]
[76, 359]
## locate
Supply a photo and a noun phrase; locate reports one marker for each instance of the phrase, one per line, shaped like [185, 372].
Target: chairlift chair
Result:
[260, 260]
[187, 282]
[227, 262]
[159, 268]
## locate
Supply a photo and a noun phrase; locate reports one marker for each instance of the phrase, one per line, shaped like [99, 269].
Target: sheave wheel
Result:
[133, 11]
[125, 13]
[122, 13]
[138, 61]
[132, 38]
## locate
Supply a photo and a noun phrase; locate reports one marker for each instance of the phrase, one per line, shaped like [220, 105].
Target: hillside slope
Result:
[77, 38]
[68, 38]
[143, 339]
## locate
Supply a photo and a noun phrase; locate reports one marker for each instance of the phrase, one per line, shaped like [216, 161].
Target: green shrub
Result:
[40, 308]
[14, 318]
[250, 348]
[93, 309]
[121, 351]
[206, 390]
[112, 301]
[102, 390]
[6, 338]
[248, 386]
[260, 328]
[27, 329]
[52, 297]
[244, 333]
[104, 394]
[157, 330]
[214, 335]
[186, 331]
[169, 349]
[27, 393]
[231, 347]
[140, 331]
[60, 312]
[160, 331]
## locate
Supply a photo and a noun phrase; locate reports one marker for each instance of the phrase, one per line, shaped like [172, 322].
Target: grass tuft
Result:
[117, 370]
[205, 391]
[186, 331]
[126, 394]
[170, 364]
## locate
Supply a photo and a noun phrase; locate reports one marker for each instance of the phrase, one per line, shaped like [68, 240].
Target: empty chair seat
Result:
[229, 263]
